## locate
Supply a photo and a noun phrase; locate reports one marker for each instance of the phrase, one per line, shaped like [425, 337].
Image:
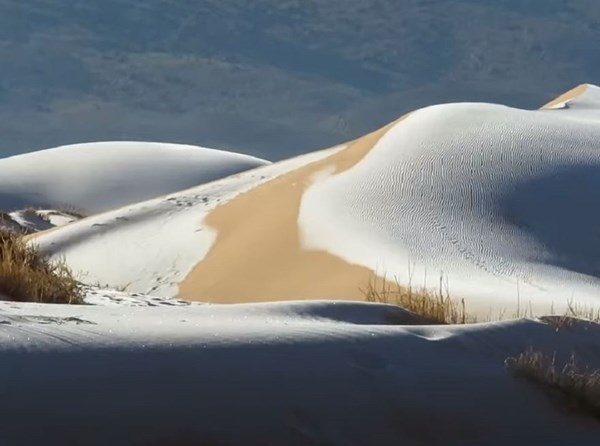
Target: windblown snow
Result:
[95, 177]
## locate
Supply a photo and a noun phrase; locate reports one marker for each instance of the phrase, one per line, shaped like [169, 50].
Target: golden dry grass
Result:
[438, 307]
[578, 387]
[574, 315]
[434, 307]
[27, 276]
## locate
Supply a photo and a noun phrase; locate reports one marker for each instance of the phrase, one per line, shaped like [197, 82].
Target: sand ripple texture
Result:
[499, 202]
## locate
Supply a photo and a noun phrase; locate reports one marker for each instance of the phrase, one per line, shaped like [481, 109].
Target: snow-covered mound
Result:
[495, 199]
[494, 204]
[99, 176]
[290, 373]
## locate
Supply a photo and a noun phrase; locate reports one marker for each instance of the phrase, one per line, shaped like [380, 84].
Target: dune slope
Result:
[95, 177]
[500, 202]
[151, 246]
[497, 202]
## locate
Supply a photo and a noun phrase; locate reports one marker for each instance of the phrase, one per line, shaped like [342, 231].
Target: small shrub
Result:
[26, 275]
[578, 387]
[433, 307]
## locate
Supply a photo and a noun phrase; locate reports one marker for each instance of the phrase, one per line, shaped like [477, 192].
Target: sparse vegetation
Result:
[26, 275]
[437, 307]
[561, 322]
[434, 307]
[574, 316]
[578, 387]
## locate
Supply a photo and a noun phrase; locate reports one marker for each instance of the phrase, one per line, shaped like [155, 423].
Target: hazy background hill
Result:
[274, 77]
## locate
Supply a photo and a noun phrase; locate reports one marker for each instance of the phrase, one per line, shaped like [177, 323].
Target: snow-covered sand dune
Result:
[496, 198]
[491, 197]
[499, 202]
[99, 176]
[288, 373]
[150, 247]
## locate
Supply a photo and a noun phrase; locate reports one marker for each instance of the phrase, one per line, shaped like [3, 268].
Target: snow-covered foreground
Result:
[293, 373]
[99, 176]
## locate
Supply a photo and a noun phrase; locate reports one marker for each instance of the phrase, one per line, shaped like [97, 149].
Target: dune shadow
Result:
[561, 211]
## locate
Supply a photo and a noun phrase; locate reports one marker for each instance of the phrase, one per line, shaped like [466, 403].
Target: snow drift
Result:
[292, 373]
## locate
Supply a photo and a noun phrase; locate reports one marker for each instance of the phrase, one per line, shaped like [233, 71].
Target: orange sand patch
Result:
[565, 97]
[258, 256]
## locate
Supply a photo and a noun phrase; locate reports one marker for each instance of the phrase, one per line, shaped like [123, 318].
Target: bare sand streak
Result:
[258, 255]
[565, 97]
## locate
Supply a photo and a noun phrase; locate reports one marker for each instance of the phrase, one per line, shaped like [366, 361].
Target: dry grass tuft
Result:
[574, 316]
[561, 322]
[27, 276]
[578, 387]
[437, 307]
[433, 307]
